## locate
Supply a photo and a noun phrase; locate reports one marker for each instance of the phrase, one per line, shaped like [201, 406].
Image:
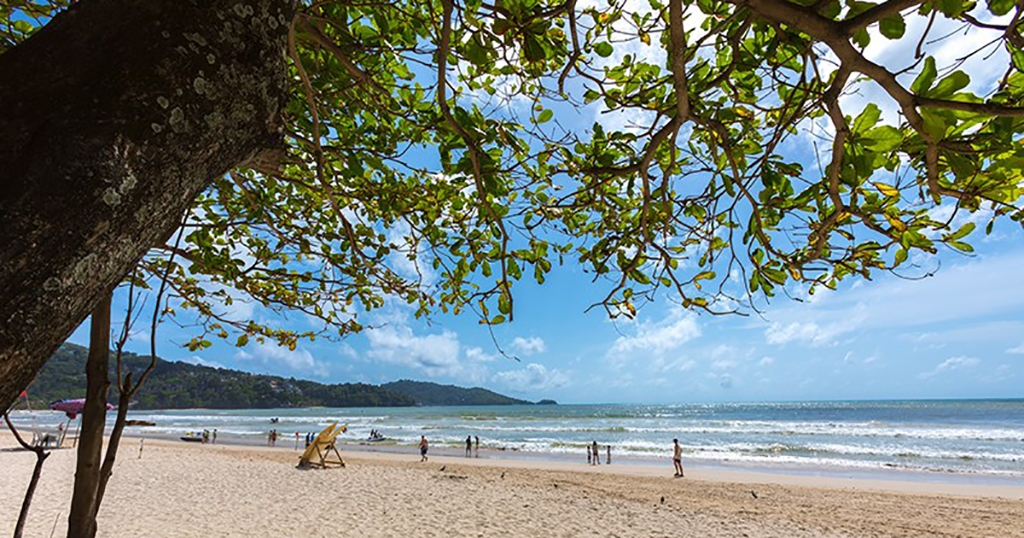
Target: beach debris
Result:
[662, 499]
[503, 475]
[753, 494]
[442, 468]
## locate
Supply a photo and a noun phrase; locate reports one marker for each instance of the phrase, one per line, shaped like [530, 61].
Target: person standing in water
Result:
[677, 458]
[608, 449]
[596, 452]
[476, 451]
[469, 446]
[423, 448]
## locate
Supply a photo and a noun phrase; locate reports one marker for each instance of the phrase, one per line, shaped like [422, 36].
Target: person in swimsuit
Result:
[469, 446]
[423, 448]
[596, 452]
[677, 458]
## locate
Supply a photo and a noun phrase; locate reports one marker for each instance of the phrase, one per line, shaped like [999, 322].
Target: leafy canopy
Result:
[439, 151]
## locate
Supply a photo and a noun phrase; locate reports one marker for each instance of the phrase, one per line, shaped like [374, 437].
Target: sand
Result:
[218, 490]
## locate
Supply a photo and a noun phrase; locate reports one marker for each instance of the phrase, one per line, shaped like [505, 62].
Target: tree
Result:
[439, 133]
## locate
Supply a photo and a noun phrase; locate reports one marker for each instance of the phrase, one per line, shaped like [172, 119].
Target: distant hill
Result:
[433, 394]
[178, 385]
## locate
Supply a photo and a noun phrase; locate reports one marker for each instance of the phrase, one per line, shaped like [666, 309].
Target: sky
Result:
[956, 334]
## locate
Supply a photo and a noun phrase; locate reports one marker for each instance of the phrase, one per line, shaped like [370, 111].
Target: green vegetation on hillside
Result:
[178, 385]
[433, 394]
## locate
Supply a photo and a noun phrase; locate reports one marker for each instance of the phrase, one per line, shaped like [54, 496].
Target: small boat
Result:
[192, 438]
[375, 439]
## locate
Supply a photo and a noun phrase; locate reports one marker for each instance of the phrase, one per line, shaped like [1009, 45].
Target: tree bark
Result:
[107, 469]
[113, 117]
[37, 471]
[82, 520]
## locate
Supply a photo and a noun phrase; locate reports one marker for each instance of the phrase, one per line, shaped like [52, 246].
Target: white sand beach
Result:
[219, 490]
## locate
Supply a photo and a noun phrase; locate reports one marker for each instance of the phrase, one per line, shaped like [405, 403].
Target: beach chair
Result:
[318, 455]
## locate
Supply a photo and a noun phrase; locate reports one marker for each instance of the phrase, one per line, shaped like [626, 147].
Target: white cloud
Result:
[656, 338]
[1001, 373]
[662, 365]
[533, 377]
[436, 355]
[907, 305]
[202, 362]
[948, 365]
[766, 361]
[1016, 350]
[806, 332]
[298, 360]
[529, 346]
[723, 364]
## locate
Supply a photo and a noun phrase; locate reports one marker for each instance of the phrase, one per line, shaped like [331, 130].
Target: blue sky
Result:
[957, 334]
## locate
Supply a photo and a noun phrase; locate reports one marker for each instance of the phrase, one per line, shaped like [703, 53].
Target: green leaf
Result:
[963, 232]
[603, 49]
[545, 116]
[867, 119]
[934, 124]
[949, 85]
[882, 139]
[862, 39]
[923, 82]
[962, 247]
[1001, 7]
[951, 8]
[892, 27]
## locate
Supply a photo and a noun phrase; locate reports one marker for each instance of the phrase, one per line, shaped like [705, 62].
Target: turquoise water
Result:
[976, 437]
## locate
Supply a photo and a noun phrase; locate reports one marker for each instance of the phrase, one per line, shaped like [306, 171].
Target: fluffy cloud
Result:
[805, 332]
[202, 362]
[299, 361]
[529, 346]
[436, 355]
[949, 365]
[533, 377]
[656, 338]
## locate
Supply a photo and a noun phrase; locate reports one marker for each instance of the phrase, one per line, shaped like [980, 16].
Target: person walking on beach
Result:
[677, 458]
[597, 453]
[608, 449]
[423, 448]
[476, 452]
[469, 446]
[214, 436]
[589, 455]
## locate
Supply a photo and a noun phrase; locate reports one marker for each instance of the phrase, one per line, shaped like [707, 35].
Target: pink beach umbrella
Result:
[72, 407]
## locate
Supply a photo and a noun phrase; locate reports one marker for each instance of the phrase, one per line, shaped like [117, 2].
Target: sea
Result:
[971, 439]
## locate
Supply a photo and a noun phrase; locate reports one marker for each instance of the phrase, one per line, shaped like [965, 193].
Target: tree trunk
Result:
[82, 520]
[110, 457]
[37, 471]
[114, 117]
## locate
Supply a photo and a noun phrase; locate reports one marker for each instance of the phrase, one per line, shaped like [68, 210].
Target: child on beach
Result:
[677, 458]
[423, 448]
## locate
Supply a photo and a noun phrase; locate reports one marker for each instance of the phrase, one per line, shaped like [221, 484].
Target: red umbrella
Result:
[72, 407]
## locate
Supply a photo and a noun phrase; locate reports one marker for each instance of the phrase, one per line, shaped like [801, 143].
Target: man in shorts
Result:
[677, 458]
[423, 448]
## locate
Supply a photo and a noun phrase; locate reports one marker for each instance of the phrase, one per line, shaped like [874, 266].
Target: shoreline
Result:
[873, 479]
[178, 489]
[921, 483]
